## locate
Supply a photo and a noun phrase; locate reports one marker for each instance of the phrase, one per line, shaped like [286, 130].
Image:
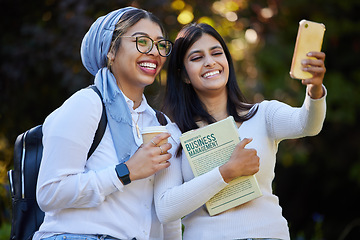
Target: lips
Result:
[211, 74]
[148, 67]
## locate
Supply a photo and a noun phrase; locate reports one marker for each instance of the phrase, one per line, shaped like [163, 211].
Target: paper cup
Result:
[149, 132]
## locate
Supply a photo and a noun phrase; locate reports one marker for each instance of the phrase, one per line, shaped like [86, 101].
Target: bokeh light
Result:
[185, 17]
[207, 20]
[237, 47]
[251, 36]
[266, 13]
[178, 4]
[231, 16]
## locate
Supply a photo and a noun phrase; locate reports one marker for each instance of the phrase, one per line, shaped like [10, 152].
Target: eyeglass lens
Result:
[145, 44]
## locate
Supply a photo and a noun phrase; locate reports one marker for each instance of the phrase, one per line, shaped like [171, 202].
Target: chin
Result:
[147, 81]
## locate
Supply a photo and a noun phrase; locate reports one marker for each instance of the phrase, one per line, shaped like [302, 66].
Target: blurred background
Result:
[317, 178]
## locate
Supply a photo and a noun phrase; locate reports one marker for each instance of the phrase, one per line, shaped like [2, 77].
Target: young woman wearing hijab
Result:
[202, 89]
[110, 195]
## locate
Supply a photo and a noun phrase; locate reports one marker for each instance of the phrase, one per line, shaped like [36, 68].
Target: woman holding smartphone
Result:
[202, 89]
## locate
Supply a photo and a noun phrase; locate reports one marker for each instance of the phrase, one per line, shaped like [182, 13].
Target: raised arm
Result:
[286, 122]
[317, 68]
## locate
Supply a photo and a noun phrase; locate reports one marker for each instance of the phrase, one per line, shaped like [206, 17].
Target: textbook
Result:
[212, 146]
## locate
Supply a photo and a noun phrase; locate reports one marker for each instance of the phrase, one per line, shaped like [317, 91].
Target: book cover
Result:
[212, 146]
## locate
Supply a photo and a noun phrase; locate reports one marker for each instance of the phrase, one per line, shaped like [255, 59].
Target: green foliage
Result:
[317, 179]
[5, 231]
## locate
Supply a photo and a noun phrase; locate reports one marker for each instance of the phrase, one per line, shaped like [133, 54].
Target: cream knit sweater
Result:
[179, 194]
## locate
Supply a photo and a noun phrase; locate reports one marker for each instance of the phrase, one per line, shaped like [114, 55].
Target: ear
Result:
[111, 56]
[186, 78]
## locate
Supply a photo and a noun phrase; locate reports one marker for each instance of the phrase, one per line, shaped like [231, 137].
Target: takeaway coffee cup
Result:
[149, 132]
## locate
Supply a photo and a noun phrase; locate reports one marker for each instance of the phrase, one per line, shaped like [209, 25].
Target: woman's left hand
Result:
[317, 68]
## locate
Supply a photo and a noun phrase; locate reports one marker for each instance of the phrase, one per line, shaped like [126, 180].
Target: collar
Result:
[144, 106]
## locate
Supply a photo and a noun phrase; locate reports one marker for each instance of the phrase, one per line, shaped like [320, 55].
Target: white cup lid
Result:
[154, 129]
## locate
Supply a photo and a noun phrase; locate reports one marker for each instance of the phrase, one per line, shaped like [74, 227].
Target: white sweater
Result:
[179, 194]
[86, 196]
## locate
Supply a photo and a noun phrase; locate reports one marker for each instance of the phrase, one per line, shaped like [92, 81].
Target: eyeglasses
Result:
[145, 44]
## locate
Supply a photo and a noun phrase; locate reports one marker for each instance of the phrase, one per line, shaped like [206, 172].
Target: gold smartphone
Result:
[309, 39]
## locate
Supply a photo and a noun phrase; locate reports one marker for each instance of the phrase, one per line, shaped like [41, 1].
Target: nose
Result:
[209, 62]
[154, 51]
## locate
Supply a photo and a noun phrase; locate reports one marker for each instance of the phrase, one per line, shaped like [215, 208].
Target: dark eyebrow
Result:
[215, 47]
[198, 51]
[145, 34]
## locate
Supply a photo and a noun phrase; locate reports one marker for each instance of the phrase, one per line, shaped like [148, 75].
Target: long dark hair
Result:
[181, 102]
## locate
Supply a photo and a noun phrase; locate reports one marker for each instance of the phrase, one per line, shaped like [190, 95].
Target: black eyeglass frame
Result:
[152, 44]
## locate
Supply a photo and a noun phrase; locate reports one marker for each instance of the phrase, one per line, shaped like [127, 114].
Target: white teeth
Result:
[148, 65]
[211, 74]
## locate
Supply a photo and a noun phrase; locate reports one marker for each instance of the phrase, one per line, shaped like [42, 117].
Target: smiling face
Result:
[207, 66]
[134, 70]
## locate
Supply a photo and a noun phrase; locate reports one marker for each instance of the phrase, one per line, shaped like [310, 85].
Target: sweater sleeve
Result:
[68, 134]
[286, 122]
[175, 198]
[172, 230]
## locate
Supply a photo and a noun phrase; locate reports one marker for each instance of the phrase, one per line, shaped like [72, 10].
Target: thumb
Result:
[245, 142]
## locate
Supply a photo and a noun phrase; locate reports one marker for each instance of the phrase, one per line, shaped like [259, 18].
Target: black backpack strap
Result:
[160, 117]
[102, 124]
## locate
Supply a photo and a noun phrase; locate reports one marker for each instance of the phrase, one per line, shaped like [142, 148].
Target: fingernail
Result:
[309, 54]
[303, 62]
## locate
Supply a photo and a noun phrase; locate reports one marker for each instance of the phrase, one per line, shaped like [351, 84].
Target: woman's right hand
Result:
[243, 162]
[149, 159]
